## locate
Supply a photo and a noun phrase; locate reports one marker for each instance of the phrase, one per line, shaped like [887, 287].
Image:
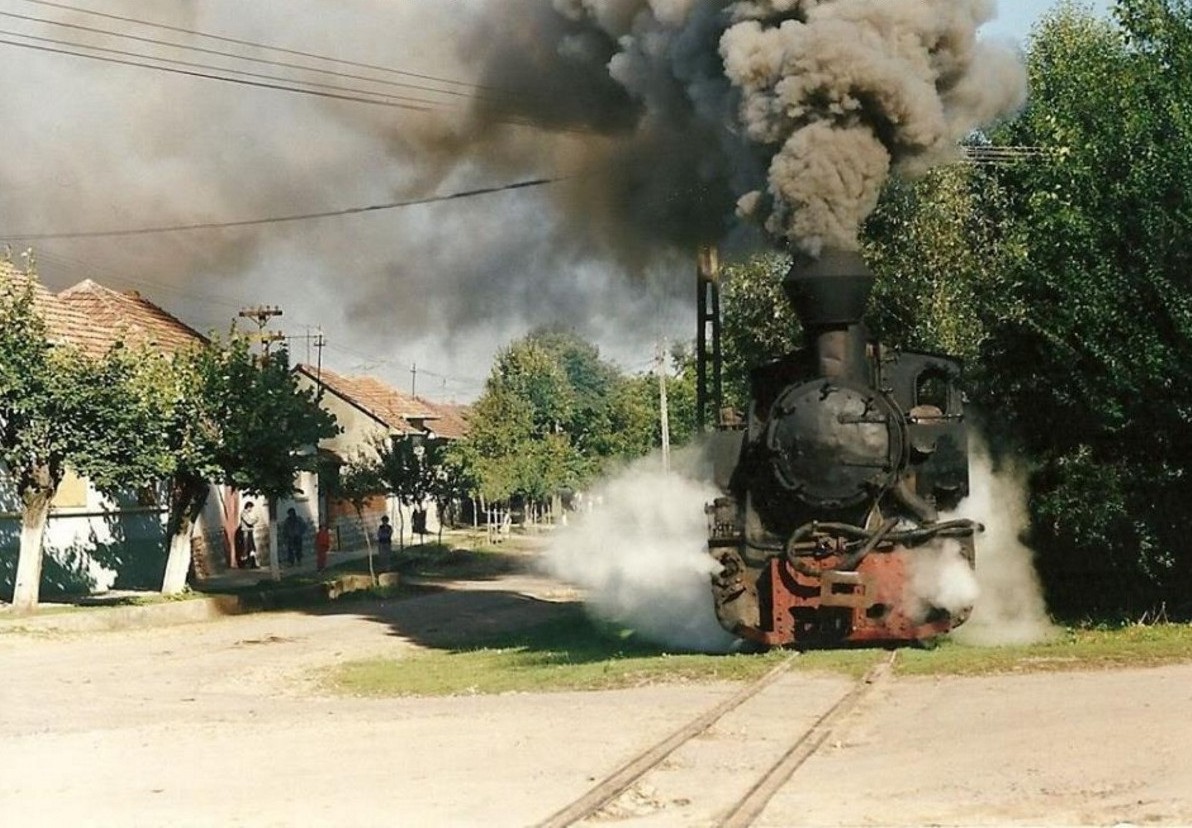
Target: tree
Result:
[452, 483]
[359, 481]
[60, 408]
[758, 323]
[1089, 355]
[939, 249]
[409, 468]
[230, 417]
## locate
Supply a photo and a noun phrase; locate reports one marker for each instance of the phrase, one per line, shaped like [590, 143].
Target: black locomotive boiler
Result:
[832, 493]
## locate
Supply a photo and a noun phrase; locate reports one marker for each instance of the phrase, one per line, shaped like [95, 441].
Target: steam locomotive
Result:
[829, 515]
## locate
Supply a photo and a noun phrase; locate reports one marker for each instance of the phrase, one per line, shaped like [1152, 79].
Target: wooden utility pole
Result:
[707, 348]
[664, 416]
[261, 315]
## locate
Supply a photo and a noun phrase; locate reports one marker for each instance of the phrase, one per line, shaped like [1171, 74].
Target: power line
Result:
[420, 104]
[273, 86]
[232, 55]
[253, 44]
[86, 269]
[345, 93]
[219, 225]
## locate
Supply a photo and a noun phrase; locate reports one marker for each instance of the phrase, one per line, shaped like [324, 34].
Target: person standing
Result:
[385, 537]
[322, 546]
[293, 531]
[246, 533]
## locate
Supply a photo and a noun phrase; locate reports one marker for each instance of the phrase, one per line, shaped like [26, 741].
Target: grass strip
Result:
[576, 653]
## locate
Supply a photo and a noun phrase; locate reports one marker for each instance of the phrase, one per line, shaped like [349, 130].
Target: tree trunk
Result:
[372, 572]
[35, 512]
[187, 498]
[274, 560]
[177, 562]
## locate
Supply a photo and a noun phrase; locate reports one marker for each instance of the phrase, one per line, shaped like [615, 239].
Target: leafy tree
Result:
[230, 417]
[939, 250]
[758, 324]
[60, 408]
[358, 482]
[452, 483]
[553, 416]
[530, 371]
[501, 426]
[1089, 355]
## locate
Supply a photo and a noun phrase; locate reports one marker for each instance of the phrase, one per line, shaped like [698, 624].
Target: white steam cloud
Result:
[941, 577]
[1011, 608]
[640, 556]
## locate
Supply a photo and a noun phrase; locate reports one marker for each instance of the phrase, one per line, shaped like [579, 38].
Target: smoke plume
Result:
[798, 109]
[640, 556]
[660, 118]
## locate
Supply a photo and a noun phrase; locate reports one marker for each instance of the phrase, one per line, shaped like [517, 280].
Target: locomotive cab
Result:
[828, 524]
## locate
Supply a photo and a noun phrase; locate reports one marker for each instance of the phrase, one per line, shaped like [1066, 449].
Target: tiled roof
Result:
[383, 403]
[129, 317]
[452, 419]
[94, 317]
[64, 324]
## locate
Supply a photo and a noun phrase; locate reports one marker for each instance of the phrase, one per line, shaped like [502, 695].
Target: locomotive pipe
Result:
[829, 295]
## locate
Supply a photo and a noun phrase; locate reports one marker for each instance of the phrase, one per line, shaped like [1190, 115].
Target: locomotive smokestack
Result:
[829, 293]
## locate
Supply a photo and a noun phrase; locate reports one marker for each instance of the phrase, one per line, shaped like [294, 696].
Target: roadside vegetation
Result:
[576, 653]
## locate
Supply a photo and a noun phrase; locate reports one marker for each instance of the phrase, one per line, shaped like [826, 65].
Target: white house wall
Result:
[94, 545]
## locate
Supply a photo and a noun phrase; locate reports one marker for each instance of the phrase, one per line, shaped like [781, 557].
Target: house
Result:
[93, 543]
[368, 411]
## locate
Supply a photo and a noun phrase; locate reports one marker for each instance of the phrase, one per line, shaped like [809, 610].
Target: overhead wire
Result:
[221, 225]
[234, 56]
[293, 85]
[194, 74]
[418, 104]
[79, 269]
[257, 45]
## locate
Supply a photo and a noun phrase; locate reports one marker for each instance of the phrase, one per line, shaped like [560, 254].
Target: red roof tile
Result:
[395, 410]
[451, 420]
[129, 317]
[95, 318]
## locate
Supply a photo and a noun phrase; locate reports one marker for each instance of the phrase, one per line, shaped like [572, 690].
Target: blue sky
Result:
[1015, 17]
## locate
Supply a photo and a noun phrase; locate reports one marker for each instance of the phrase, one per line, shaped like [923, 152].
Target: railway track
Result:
[748, 807]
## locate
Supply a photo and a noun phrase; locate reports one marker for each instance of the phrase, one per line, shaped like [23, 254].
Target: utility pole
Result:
[320, 344]
[414, 380]
[262, 314]
[707, 349]
[317, 341]
[664, 416]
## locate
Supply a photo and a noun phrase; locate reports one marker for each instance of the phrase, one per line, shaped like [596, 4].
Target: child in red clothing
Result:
[322, 546]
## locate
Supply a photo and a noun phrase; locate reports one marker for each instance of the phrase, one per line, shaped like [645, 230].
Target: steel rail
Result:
[750, 807]
[623, 777]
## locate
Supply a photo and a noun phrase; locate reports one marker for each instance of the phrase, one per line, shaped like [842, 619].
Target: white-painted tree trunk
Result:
[177, 562]
[274, 563]
[27, 589]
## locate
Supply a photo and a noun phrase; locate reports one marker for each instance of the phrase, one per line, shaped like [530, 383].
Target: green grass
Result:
[1133, 645]
[573, 653]
[576, 653]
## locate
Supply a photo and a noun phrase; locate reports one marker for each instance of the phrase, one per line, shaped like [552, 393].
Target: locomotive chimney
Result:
[829, 295]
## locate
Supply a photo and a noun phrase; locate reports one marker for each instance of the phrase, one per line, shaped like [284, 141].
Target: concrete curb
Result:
[171, 613]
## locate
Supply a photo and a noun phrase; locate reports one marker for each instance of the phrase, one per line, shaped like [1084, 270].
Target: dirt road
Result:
[218, 724]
